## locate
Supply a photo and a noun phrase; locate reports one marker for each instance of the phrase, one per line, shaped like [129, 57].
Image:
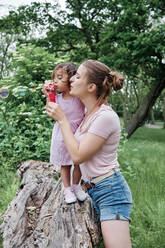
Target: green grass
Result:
[159, 123]
[142, 162]
[9, 183]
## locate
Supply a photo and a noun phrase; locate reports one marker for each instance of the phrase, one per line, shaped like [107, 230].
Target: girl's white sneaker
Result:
[69, 195]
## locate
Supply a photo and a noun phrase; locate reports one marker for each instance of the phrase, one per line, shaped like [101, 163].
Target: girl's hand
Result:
[45, 88]
[54, 111]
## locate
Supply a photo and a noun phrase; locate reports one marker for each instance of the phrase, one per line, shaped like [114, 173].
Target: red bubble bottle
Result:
[52, 91]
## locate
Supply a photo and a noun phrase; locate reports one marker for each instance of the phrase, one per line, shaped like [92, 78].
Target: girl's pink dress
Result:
[74, 111]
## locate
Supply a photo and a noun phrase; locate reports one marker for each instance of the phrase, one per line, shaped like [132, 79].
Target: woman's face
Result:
[79, 84]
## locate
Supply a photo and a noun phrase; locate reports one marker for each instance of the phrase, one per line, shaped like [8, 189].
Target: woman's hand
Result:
[54, 111]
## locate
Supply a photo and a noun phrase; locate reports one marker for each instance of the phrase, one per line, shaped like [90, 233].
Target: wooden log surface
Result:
[39, 217]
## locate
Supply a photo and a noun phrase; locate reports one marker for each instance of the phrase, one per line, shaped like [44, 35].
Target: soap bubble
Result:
[4, 92]
[22, 92]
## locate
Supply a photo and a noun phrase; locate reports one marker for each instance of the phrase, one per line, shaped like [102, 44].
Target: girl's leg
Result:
[116, 234]
[68, 192]
[76, 174]
[79, 193]
[65, 175]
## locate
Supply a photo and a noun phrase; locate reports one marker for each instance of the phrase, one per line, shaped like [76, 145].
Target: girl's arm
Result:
[79, 151]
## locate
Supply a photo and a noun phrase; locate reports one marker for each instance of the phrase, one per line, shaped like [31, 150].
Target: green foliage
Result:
[134, 41]
[126, 35]
[31, 63]
[25, 132]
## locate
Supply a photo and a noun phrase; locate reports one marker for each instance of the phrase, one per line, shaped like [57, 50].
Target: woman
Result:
[94, 147]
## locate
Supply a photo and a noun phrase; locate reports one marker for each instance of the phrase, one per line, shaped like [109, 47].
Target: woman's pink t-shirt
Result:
[104, 123]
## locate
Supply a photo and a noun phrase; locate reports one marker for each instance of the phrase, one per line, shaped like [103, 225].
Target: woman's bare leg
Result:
[116, 234]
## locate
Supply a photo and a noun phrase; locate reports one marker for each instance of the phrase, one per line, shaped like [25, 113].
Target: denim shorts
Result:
[112, 198]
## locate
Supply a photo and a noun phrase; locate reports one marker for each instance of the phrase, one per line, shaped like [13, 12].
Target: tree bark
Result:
[139, 118]
[152, 116]
[39, 217]
[164, 109]
[3, 59]
[125, 101]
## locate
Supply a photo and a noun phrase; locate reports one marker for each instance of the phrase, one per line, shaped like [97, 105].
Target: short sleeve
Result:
[105, 124]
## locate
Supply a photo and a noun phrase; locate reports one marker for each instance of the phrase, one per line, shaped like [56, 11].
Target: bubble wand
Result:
[52, 91]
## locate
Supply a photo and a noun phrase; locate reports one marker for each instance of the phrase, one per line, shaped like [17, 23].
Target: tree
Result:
[163, 108]
[137, 48]
[125, 35]
[6, 42]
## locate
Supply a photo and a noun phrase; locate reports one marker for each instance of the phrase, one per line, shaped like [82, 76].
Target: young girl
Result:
[74, 110]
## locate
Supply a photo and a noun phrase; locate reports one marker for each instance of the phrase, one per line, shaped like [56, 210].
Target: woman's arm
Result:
[79, 151]
[83, 150]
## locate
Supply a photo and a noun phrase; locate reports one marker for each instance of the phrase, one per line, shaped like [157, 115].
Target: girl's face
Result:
[79, 84]
[61, 80]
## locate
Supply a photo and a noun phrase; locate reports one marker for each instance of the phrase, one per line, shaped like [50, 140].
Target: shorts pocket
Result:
[127, 192]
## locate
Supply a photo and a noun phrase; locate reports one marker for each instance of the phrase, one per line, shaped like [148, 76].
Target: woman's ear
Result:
[91, 87]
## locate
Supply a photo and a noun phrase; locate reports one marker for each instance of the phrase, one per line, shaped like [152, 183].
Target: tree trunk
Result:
[164, 109]
[39, 217]
[152, 116]
[125, 101]
[139, 118]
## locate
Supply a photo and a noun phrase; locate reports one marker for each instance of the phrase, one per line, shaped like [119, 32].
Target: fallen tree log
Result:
[39, 217]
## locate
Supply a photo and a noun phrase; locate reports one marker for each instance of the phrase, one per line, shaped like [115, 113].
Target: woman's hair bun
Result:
[116, 80]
